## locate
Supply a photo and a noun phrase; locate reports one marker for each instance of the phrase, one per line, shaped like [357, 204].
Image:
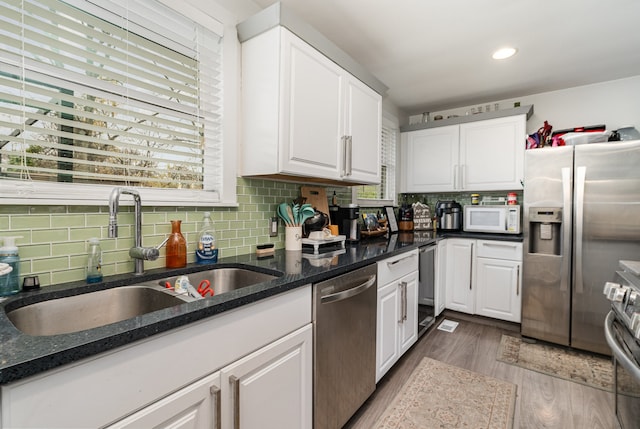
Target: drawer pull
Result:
[217, 395]
[391, 264]
[235, 382]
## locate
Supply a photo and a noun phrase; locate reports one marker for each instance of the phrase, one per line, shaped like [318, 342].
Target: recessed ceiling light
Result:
[504, 53]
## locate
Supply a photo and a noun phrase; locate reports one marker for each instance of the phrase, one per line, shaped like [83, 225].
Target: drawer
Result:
[397, 266]
[499, 250]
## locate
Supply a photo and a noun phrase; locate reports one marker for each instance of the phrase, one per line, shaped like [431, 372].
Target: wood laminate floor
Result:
[542, 401]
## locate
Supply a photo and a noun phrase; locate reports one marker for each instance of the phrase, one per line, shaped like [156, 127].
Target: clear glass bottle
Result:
[176, 247]
[10, 279]
[94, 261]
[207, 246]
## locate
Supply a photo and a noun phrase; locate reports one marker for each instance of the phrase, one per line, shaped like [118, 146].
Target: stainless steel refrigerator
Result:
[581, 216]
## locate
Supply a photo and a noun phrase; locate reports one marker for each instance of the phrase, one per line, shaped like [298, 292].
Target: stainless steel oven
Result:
[622, 332]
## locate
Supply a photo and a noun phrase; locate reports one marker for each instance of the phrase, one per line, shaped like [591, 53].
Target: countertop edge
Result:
[24, 355]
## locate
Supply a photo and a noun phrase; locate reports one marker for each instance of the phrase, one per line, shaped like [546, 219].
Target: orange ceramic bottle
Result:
[176, 247]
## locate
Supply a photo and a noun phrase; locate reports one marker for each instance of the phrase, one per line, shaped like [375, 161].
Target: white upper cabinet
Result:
[431, 159]
[485, 155]
[363, 123]
[304, 116]
[492, 154]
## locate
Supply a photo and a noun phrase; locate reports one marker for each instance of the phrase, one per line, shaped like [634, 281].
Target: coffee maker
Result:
[347, 220]
[449, 214]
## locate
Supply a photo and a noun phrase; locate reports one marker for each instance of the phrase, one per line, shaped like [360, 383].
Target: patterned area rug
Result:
[438, 395]
[572, 365]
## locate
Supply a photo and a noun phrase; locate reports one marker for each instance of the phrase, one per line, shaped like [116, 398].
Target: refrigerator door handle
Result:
[566, 229]
[581, 173]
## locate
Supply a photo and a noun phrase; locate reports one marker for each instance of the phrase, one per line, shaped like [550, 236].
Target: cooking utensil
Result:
[282, 212]
[296, 214]
[290, 215]
[306, 212]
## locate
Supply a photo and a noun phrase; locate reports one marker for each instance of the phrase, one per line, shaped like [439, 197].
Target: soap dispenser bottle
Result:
[207, 247]
[10, 282]
[94, 261]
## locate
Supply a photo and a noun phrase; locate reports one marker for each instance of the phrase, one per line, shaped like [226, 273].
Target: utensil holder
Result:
[293, 238]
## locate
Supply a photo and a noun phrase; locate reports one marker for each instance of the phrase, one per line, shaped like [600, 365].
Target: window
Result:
[385, 193]
[96, 94]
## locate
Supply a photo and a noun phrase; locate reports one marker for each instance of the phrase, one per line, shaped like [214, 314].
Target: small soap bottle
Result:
[176, 247]
[207, 246]
[94, 261]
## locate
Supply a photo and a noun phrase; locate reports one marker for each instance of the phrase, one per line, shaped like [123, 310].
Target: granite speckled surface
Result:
[24, 355]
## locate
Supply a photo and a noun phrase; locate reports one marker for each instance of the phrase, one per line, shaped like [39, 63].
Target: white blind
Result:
[387, 188]
[127, 92]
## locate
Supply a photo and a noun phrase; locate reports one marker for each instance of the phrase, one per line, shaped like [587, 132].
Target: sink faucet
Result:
[137, 252]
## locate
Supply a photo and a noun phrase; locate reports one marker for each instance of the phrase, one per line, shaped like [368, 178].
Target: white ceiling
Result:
[436, 55]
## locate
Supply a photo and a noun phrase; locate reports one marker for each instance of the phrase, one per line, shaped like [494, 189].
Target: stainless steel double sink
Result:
[94, 309]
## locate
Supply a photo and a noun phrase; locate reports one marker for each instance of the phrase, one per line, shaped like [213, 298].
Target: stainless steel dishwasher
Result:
[426, 288]
[344, 335]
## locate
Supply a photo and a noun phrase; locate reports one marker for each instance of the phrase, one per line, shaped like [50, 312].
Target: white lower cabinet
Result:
[268, 388]
[499, 280]
[459, 275]
[271, 388]
[245, 368]
[397, 318]
[484, 277]
[195, 407]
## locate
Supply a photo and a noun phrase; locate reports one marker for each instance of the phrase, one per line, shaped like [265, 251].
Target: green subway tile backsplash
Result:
[54, 239]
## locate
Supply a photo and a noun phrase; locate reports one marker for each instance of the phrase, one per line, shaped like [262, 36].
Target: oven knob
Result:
[634, 298]
[617, 294]
[608, 286]
[635, 321]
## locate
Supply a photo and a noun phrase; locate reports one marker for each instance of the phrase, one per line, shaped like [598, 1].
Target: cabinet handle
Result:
[471, 268]
[455, 176]
[404, 311]
[401, 319]
[235, 382]
[350, 155]
[391, 264]
[217, 393]
[344, 156]
[499, 244]
[518, 280]
[463, 176]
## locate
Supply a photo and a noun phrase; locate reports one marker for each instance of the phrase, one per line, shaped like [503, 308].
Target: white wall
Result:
[614, 103]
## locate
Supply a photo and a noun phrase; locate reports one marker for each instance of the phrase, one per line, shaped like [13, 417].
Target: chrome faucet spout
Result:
[137, 251]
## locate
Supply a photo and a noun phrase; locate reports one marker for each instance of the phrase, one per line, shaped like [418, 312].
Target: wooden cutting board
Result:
[317, 197]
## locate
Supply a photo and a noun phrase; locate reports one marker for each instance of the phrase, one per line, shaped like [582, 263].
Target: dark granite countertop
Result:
[24, 355]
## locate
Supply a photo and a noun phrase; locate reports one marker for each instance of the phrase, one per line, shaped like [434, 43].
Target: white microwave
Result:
[496, 219]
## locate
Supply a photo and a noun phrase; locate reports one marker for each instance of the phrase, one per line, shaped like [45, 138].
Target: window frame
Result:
[54, 193]
[392, 122]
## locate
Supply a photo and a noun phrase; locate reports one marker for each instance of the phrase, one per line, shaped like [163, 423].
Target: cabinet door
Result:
[272, 387]
[312, 111]
[363, 123]
[387, 328]
[194, 407]
[498, 285]
[460, 291]
[408, 334]
[492, 154]
[431, 159]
